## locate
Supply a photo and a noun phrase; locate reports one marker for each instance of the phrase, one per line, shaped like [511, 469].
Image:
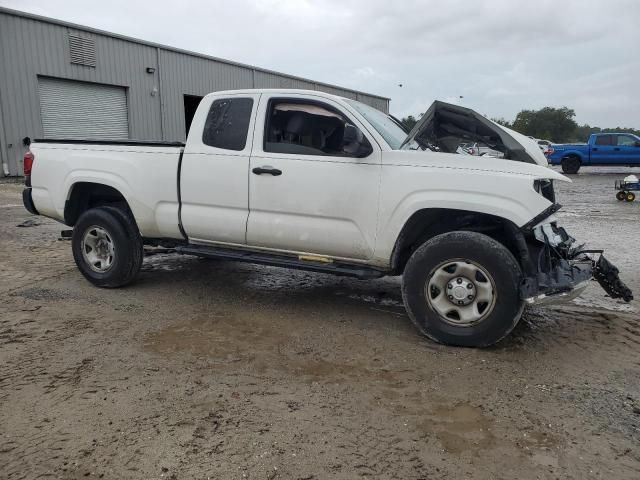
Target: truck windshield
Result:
[384, 124]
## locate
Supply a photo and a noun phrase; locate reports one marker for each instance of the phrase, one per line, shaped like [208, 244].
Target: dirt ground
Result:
[210, 369]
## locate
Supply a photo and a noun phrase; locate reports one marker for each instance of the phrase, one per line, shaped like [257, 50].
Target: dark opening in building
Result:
[191, 103]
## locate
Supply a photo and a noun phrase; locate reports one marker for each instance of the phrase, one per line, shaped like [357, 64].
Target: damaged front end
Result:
[557, 268]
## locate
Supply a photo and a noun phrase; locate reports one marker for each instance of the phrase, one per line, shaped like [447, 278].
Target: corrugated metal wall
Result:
[182, 74]
[32, 47]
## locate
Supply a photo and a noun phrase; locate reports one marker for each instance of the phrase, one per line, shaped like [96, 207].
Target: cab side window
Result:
[227, 123]
[312, 128]
[603, 140]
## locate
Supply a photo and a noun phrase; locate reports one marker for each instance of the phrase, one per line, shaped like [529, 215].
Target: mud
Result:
[210, 369]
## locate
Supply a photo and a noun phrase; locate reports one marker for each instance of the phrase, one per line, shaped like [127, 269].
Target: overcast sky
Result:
[501, 56]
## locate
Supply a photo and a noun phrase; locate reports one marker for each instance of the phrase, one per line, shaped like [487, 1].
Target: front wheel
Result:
[107, 246]
[630, 197]
[620, 196]
[462, 288]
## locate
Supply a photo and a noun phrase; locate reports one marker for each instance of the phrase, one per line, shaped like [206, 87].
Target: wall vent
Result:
[82, 50]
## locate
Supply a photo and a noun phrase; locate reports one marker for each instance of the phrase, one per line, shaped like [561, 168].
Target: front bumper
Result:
[556, 270]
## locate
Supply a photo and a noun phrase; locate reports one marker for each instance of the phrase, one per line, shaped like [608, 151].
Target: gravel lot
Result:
[210, 369]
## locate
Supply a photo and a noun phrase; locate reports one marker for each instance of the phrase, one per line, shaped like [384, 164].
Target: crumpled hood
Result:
[444, 126]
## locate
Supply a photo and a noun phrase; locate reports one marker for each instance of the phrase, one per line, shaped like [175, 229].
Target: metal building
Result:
[60, 80]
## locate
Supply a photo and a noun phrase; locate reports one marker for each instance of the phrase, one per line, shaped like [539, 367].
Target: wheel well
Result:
[86, 195]
[426, 224]
[573, 155]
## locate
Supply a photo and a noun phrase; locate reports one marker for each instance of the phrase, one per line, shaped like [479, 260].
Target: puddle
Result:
[268, 347]
[166, 262]
[381, 299]
[460, 428]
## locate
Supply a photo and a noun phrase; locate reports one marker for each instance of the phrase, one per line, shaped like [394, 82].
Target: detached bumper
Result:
[28, 201]
[557, 270]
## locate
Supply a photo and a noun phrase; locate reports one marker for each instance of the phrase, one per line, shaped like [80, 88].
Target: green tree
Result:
[555, 124]
[502, 121]
[409, 122]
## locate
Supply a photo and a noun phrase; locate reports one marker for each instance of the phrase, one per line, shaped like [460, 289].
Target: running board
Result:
[322, 265]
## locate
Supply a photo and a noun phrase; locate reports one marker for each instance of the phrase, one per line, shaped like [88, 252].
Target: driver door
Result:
[627, 150]
[314, 179]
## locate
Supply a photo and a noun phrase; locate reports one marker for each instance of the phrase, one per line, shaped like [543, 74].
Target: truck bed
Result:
[145, 173]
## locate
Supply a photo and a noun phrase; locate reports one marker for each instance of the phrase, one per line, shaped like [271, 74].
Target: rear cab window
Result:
[227, 123]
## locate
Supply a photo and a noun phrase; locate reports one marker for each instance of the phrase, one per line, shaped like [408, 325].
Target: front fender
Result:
[515, 201]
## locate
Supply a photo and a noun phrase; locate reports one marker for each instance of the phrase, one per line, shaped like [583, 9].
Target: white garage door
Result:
[79, 110]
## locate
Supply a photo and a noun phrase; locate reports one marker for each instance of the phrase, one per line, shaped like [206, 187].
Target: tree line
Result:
[549, 123]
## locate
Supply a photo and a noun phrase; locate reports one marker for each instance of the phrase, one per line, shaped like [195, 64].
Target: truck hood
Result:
[444, 126]
[470, 163]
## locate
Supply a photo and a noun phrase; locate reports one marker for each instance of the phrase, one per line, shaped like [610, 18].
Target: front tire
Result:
[107, 247]
[462, 288]
[570, 165]
[620, 196]
[630, 197]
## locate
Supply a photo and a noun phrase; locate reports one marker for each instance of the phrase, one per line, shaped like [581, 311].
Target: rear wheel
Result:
[621, 196]
[462, 288]
[570, 165]
[630, 197]
[107, 247]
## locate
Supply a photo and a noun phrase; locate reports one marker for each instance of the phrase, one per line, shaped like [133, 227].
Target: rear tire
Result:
[570, 165]
[620, 196]
[483, 264]
[107, 247]
[630, 197]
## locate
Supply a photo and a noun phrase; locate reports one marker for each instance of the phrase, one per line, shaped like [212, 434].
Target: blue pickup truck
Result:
[602, 149]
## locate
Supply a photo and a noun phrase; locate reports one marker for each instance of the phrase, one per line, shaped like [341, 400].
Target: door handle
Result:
[617, 149]
[594, 149]
[266, 169]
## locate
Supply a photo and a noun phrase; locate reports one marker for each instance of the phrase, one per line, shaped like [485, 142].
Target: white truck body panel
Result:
[321, 204]
[146, 177]
[413, 180]
[338, 207]
[214, 183]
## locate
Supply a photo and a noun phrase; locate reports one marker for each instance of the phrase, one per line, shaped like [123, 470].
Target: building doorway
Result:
[191, 103]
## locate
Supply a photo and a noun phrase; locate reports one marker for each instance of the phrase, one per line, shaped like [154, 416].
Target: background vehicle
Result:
[480, 149]
[308, 180]
[544, 145]
[622, 149]
[627, 187]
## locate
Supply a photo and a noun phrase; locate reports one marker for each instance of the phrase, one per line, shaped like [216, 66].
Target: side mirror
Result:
[355, 143]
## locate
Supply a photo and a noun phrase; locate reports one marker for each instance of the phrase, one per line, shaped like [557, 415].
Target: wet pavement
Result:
[212, 369]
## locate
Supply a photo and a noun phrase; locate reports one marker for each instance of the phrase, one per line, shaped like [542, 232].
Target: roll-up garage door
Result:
[80, 110]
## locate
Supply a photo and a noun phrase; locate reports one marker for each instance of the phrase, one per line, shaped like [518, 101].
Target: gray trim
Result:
[157, 72]
[54, 21]
[4, 149]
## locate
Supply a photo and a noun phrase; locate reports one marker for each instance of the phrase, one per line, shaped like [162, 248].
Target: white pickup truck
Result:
[307, 180]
